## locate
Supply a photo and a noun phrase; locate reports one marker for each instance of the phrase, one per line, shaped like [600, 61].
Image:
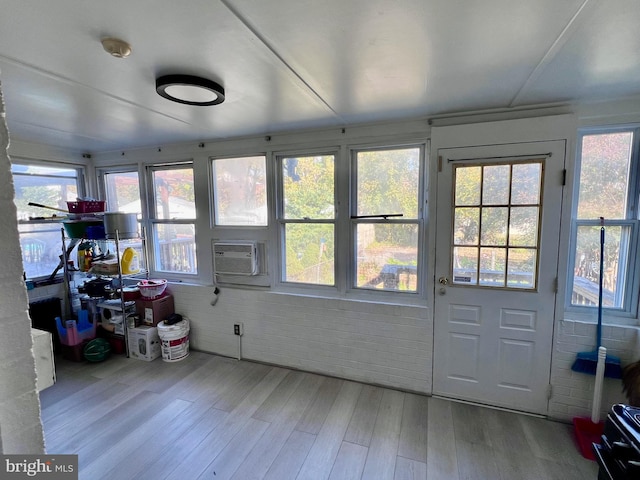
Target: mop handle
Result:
[599, 328]
[597, 389]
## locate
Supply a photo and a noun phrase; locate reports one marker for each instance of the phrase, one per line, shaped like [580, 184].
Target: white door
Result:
[498, 222]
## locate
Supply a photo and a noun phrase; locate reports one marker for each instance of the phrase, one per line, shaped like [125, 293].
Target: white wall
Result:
[371, 342]
[20, 426]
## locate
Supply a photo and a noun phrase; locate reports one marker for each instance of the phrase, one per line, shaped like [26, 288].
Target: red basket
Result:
[86, 206]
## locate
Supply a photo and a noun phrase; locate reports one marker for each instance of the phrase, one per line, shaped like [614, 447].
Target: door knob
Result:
[443, 281]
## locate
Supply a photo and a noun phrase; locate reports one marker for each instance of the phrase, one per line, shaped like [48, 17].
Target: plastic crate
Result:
[86, 206]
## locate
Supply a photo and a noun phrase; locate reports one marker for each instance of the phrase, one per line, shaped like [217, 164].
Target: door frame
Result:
[501, 132]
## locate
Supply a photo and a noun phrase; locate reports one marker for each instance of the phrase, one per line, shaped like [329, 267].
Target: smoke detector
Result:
[116, 47]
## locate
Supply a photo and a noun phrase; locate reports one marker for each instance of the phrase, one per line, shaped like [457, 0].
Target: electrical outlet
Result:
[237, 329]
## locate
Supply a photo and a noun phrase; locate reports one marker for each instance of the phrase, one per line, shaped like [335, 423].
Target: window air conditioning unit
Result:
[235, 258]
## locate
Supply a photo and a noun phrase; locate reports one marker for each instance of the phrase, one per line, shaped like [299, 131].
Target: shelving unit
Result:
[124, 307]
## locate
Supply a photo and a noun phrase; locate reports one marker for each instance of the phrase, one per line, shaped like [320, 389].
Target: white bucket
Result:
[174, 340]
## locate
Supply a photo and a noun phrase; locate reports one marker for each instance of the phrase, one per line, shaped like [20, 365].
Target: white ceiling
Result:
[298, 64]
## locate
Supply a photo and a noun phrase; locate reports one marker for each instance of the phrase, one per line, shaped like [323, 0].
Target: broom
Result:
[587, 362]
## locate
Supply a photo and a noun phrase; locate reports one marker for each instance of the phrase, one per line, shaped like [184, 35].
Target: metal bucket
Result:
[125, 223]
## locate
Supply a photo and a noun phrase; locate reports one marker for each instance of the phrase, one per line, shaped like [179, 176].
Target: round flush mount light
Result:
[190, 90]
[116, 47]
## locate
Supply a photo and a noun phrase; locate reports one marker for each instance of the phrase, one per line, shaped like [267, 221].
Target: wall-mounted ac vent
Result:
[235, 258]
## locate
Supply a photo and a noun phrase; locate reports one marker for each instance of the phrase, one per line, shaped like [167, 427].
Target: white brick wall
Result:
[20, 425]
[377, 343]
[572, 391]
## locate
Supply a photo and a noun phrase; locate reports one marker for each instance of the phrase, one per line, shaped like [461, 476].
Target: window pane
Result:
[175, 248]
[308, 185]
[388, 182]
[495, 185]
[465, 265]
[494, 225]
[525, 183]
[239, 191]
[466, 224]
[587, 266]
[467, 185]
[387, 256]
[521, 270]
[309, 253]
[123, 192]
[523, 227]
[41, 248]
[52, 191]
[493, 267]
[604, 175]
[174, 194]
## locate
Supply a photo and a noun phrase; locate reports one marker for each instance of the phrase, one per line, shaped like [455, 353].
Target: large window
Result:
[386, 218]
[307, 218]
[606, 213]
[39, 228]
[360, 232]
[173, 219]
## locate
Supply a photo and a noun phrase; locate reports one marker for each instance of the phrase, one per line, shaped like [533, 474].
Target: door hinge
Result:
[555, 285]
[439, 163]
[549, 391]
[564, 177]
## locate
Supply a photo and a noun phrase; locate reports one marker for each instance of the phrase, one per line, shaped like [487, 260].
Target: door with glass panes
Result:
[498, 220]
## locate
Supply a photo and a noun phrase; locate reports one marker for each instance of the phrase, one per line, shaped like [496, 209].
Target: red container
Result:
[86, 206]
[587, 433]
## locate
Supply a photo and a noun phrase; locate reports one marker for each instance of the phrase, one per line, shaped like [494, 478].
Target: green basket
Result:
[97, 350]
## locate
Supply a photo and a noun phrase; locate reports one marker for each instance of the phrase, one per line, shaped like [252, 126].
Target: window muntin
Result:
[387, 182]
[496, 216]
[606, 187]
[173, 218]
[239, 191]
[307, 218]
[39, 232]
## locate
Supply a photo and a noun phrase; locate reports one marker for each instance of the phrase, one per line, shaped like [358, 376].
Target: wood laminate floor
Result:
[210, 417]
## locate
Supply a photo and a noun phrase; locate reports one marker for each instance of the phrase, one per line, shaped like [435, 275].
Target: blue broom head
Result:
[587, 362]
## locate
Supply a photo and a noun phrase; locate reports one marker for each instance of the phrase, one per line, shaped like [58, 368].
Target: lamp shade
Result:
[190, 90]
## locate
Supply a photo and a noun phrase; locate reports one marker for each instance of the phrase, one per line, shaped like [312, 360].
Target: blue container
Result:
[95, 232]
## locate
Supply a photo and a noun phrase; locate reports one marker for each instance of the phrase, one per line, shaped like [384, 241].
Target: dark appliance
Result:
[43, 315]
[618, 454]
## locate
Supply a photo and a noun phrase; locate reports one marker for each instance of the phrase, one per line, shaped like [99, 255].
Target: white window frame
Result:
[345, 239]
[629, 301]
[281, 223]
[151, 221]
[419, 221]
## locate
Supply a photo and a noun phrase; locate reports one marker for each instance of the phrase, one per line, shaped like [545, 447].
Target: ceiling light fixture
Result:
[116, 47]
[190, 90]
